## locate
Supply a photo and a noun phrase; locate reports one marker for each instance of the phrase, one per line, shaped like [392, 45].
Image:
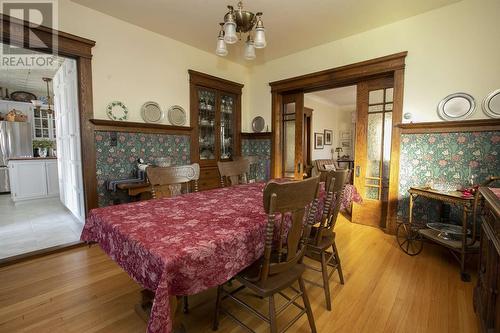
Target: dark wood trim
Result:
[68, 45]
[134, 127]
[80, 49]
[213, 82]
[40, 253]
[391, 65]
[342, 76]
[257, 136]
[480, 125]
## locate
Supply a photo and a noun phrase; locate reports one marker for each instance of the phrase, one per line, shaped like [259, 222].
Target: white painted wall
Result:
[332, 117]
[450, 49]
[134, 65]
[324, 117]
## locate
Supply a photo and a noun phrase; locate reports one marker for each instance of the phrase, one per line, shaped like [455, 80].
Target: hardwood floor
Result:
[82, 290]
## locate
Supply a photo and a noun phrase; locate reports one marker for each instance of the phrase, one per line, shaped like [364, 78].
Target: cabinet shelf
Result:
[214, 125]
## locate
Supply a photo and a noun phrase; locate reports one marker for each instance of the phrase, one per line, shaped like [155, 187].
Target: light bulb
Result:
[260, 38]
[230, 32]
[249, 50]
[221, 49]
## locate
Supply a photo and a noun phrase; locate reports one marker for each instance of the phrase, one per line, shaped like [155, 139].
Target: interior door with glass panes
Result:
[373, 150]
[227, 118]
[207, 110]
[292, 112]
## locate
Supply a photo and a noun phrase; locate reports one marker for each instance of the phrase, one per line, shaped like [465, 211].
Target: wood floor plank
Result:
[82, 290]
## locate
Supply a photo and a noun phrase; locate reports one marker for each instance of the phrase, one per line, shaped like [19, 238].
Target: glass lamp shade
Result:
[260, 38]
[249, 50]
[221, 49]
[230, 32]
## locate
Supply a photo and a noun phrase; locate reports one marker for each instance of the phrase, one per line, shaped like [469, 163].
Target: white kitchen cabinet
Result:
[33, 179]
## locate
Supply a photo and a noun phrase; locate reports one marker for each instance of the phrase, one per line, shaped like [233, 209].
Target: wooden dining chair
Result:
[233, 172]
[322, 235]
[173, 181]
[281, 265]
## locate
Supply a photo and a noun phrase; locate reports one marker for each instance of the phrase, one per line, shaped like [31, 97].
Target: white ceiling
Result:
[343, 97]
[29, 80]
[291, 25]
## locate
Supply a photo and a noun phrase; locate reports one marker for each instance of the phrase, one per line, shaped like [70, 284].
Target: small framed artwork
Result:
[318, 140]
[328, 137]
[345, 144]
[345, 135]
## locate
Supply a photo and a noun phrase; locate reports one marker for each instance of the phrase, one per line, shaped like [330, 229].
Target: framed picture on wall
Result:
[319, 140]
[345, 144]
[328, 137]
[345, 135]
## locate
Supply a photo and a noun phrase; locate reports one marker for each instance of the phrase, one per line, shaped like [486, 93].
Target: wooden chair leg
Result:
[326, 282]
[185, 304]
[337, 259]
[307, 305]
[215, 324]
[272, 315]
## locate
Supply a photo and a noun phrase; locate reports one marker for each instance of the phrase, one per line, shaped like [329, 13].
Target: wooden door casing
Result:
[370, 212]
[298, 100]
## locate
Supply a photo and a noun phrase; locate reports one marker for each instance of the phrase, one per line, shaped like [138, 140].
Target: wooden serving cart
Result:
[461, 240]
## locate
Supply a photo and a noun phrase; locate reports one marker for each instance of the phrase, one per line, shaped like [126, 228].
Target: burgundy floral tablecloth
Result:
[182, 245]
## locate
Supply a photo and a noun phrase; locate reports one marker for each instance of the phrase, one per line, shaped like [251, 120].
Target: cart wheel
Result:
[409, 239]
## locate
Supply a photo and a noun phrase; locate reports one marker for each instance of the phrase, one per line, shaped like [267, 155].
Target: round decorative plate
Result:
[258, 124]
[456, 106]
[176, 115]
[22, 96]
[151, 112]
[491, 104]
[116, 110]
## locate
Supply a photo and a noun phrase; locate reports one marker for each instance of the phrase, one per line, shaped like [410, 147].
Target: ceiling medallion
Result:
[242, 22]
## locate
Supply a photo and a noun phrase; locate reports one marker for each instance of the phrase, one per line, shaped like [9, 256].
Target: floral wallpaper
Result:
[261, 148]
[445, 160]
[119, 161]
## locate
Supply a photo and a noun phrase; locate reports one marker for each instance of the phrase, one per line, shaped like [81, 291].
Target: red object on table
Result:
[182, 245]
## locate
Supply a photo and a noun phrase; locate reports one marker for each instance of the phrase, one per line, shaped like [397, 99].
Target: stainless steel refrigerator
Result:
[15, 141]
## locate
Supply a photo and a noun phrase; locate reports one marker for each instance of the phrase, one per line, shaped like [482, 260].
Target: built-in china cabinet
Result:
[216, 121]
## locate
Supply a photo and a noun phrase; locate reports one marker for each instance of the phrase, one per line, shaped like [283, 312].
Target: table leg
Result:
[463, 274]
[143, 309]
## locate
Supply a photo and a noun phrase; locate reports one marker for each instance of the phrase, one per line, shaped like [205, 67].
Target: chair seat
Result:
[324, 243]
[274, 283]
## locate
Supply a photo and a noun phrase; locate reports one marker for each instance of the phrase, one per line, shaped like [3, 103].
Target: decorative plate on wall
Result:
[456, 106]
[116, 110]
[258, 124]
[491, 104]
[22, 96]
[151, 112]
[176, 115]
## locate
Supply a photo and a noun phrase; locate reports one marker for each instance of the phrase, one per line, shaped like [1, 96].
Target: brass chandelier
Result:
[241, 22]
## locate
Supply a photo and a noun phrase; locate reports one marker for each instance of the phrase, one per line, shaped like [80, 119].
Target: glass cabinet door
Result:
[206, 123]
[42, 121]
[227, 105]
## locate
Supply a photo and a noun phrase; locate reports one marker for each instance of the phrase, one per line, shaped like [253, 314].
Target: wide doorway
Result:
[41, 187]
[347, 117]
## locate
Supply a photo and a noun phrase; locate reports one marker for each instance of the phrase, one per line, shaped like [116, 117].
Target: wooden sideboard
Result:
[486, 298]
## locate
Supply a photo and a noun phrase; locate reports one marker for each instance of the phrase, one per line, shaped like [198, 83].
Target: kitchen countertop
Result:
[32, 158]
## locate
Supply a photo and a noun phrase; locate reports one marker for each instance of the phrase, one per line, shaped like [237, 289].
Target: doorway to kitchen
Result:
[41, 187]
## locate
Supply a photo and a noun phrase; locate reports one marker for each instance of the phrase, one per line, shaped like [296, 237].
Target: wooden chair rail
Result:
[480, 125]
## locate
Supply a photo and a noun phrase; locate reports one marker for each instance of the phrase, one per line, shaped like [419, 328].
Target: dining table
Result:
[183, 245]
